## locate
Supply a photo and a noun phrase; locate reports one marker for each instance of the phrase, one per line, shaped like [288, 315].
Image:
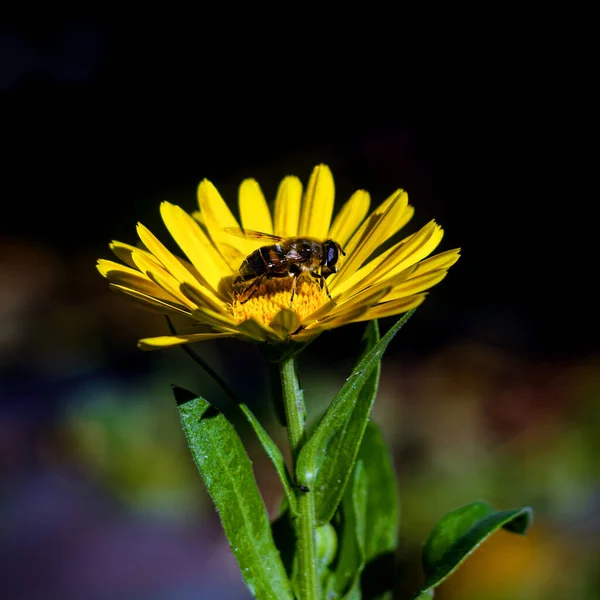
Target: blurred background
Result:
[491, 391]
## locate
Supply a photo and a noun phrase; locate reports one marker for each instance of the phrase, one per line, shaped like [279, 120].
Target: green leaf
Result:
[227, 473]
[326, 461]
[354, 593]
[460, 532]
[383, 515]
[275, 455]
[351, 557]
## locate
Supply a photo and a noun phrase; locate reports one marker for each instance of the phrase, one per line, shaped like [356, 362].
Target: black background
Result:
[485, 118]
[486, 128]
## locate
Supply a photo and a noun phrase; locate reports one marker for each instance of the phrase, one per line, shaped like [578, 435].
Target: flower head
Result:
[301, 275]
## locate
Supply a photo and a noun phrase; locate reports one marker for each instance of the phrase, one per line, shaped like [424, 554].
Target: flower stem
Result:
[308, 583]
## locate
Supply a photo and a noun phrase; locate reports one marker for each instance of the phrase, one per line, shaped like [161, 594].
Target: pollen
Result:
[274, 295]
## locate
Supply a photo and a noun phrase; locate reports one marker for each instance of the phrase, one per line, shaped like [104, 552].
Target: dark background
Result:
[101, 119]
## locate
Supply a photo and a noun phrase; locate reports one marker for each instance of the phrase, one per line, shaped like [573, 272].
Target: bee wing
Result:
[250, 234]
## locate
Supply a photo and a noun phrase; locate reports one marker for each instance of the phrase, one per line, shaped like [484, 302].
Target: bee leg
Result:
[295, 272]
[322, 282]
[319, 277]
[250, 290]
[293, 290]
[253, 287]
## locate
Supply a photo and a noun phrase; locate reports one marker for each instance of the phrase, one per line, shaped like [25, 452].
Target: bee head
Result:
[331, 255]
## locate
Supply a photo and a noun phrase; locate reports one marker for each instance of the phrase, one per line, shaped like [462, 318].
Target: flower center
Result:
[274, 295]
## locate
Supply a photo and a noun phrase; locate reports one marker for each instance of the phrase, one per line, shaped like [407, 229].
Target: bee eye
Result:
[332, 256]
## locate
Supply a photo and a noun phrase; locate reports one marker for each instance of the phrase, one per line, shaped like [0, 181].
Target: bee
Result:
[284, 257]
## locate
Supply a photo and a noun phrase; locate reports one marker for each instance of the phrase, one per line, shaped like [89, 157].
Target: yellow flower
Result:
[370, 283]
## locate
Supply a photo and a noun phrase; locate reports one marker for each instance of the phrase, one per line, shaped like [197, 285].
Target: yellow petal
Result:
[197, 216]
[371, 234]
[321, 312]
[443, 260]
[255, 330]
[254, 211]
[233, 255]
[390, 211]
[166, 341]
[285, 322]
[287, 207]
[389, 282]
[172, 266]
[157, 305]
[162, 278]
[215, 211]
[218, 218]
[317, 205]
[414, 278]
[396, 259]
[416, 248]
[388, 309]
[211, 266]
[305, 335]
[131, 278]
[123, 252]
[403, 219]
[349, 309]
[200, 298]
[337, 320]
[234, 249]
[162, 255]
[217, 320]
[364, 299]
[350, 217]
[414, 285]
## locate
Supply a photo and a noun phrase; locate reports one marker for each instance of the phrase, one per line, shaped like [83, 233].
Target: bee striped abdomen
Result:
[262, 261]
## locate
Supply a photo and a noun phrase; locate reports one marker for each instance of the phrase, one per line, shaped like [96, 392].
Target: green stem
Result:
[308, 583]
